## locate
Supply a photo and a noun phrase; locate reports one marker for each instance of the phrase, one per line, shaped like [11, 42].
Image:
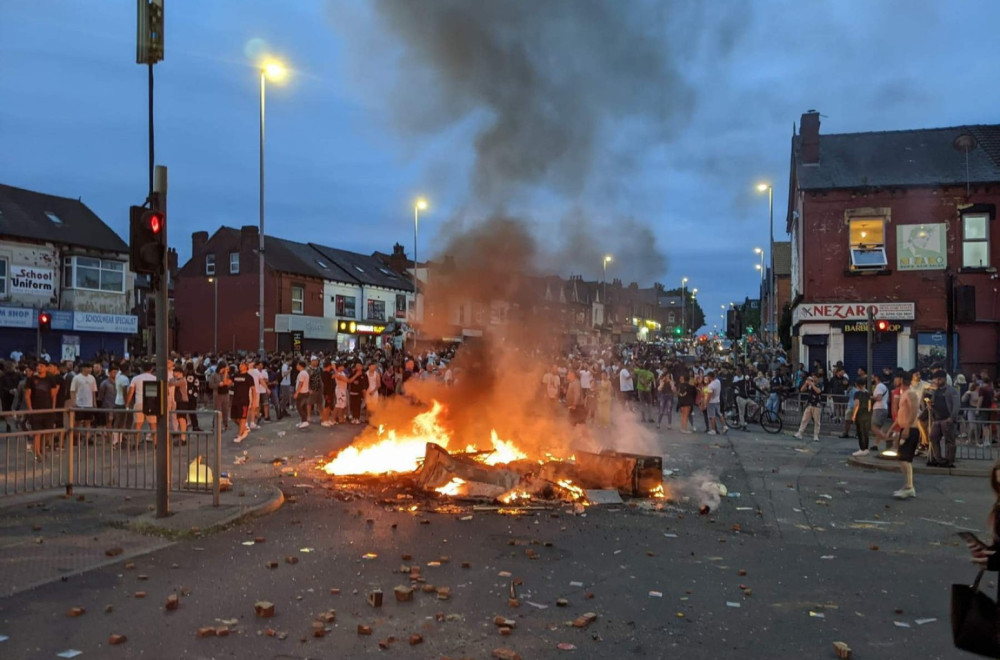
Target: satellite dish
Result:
[964, 143]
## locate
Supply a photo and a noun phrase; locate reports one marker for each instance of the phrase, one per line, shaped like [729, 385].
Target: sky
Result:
[638, 129]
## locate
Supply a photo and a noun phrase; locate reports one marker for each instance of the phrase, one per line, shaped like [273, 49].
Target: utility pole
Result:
[871, 337]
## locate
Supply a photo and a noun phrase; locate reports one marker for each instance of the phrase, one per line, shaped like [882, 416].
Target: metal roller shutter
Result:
[856, 352]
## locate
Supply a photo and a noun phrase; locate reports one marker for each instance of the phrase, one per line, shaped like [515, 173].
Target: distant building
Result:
[902, 221]
[57, 255]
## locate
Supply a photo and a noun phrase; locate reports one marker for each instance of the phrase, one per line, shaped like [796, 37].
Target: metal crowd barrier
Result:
[102, 448]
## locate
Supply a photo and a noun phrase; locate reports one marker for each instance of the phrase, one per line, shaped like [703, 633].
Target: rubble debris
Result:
[505, 654]
[513, 603]
[566, 646]
[403, 594]
[375, 598]
[206, 631]
[115, 639]
[428, 588]
[259, 539]
[140, 594]
[173, 602]
[415, 639]
[444, 593]
[76, 611]
[584, 620]
[291, 559]
[504, 622]
[272, 564]
[222, 631]
[318, 629]
[264, 609]
[742, 572]
[466, 564]
[364, 630]
[562, 602]
[842, 650]
[335, 591]
[329, 616]
[113, 552]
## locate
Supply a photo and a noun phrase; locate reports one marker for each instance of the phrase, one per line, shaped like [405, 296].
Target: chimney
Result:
[809, 131]
[249, 239]
[198, 240]
[398, 260]
[172, 260]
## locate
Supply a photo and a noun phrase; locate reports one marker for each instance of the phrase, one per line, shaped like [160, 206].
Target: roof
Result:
[40, 217]
[366, 269]
[925, 157]
[302, 259]
[781, 255]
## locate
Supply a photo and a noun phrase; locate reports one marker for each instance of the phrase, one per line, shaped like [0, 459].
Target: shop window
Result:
[346, 307]
[376, 310]
[298, 299]
[867, 244]
[3, 277]
[234, 263]
[975, 241]
[210, 264]
[401, 304]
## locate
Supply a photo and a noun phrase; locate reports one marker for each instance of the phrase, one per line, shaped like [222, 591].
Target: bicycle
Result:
[756, 413]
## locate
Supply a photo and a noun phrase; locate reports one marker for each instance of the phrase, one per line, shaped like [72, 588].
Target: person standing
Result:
[182, 404]
[218, 384]
[603, 413]
[356, 387]
[194, 381]
[82, 394]
[107, 393]
[880, 410]
[372, 381]
[685, 401]
[910, 438]
[717, 421]
[743, 387]
[329, 394]
[135, 395]
[812, 396]
[242, 389]
[626, 387]
[665, 391]
[302, 395]
[550, 381]
[944, 409]
[860, 416]
[315, 388]
[40, 392]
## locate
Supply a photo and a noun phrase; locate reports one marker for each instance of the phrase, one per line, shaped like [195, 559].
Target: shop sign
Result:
[862, 326]
[853, 311]
[31, 281]
[921, 247]
[93, 322]
[355, 328]
[297, 337]
[17, 317]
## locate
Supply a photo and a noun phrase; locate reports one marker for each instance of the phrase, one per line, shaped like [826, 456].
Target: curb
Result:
[274, 502]
[918, 467]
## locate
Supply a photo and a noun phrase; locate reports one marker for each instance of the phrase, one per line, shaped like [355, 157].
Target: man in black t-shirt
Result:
[811, 396]
[242, 387]
[40, 393]
[329, 393]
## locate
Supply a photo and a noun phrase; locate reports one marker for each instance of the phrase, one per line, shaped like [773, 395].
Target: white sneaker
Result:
[302, 425]
[861, 452]
[711, 432]
[253, 427]
[326, 424]
[798, 435]
[904, 493]
[686, 431]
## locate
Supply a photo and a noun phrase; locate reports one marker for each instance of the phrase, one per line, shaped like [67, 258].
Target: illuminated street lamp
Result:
[772, 311]
[607, 260]
[419, 205]
[274, 70]
[684, 282]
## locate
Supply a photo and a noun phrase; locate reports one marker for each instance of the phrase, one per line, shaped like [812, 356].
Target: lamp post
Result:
[684, 282]
[275, 71]
[604, 294]
[694, 292]
[772, 310]
[418, 206]
[215, 339]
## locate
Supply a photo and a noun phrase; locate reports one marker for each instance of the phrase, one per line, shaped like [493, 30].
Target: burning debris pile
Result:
[502, 473]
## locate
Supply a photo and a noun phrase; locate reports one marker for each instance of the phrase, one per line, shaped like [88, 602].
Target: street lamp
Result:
[215, 340]
[772, 312]
[418, 206]
[684, 282]
[694, 293]
[607, 259]
[274, 70]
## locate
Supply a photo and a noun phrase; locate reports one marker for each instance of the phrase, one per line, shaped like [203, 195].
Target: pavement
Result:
[805, 550]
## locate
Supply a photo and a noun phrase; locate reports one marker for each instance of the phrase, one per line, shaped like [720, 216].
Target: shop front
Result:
[301, 334]
[828, 333]
[353, 335]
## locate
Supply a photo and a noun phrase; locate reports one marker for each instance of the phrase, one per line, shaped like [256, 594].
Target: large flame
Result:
[402, 451]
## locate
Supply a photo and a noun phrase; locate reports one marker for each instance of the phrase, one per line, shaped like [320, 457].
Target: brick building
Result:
[903, 221]
[308, 290]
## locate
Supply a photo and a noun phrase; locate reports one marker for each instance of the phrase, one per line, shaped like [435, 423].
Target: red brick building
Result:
[903, 221]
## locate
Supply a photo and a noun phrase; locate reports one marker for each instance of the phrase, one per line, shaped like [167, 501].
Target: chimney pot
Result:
[198, 240]
[809, 130]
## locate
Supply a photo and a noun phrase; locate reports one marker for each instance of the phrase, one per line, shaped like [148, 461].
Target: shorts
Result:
[880, 417]
[44, 421]
[908, 447]
[630, 395]
[140, 417]
[328, 400]
[239, 412]
[713, 410]
[263, 398]
[80, 416]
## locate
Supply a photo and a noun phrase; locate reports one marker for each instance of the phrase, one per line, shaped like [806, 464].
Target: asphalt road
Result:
[828, 556]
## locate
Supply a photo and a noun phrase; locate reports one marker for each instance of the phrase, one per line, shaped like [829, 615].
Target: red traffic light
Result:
[882, 325]
[155, 221]
[44, 318]
[44, 321]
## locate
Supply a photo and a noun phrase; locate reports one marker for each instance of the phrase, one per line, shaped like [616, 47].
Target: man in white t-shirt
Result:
[627, 387]
[551, 383]
[302, 394]
[82, 392]
[880, 411]
[255, 396]
[714, 405]
[135, 395]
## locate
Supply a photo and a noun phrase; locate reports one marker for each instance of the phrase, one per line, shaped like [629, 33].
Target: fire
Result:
[402, 451]
[452, 488]
[658, 492]
[572, 489]
[513, 496]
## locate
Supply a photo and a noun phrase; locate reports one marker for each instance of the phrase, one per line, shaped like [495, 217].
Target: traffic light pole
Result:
[162, 344]
[871, 337]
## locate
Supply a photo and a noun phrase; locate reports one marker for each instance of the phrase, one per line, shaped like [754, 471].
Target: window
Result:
[234, 263]
[388, 273]
[322, 264]
[210, 264]
[3, 277]
[298, 299]
[376, 310]
[867, 237]
[56, 220]
[401, 305]
[976, 241]
[346, 306]
[359, 269]
[94, 274]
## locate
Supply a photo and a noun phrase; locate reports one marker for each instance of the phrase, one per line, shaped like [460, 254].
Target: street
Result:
[827, 556]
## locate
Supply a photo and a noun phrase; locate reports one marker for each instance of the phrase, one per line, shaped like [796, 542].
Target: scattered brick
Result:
[291, 559]
[505, 654]
[562, 602]
[584, 620]
[328, 617]
[503, 622]
[117, 639]
[513, 602]
[140, 594]
[318, 629]
[335, 591]
[743, 572]
[403, 594]
[415, 639]
[173, 602]
[375, 598]
[264, 609]
[466, 564]
[76, 611]
[207, 631]
[272, 564]
[364, 630]
[222, 631]
[444, 593]
[428, 588]
[259, 539]
[842, 650]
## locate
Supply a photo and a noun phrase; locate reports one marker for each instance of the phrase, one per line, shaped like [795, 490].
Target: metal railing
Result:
[103, 448]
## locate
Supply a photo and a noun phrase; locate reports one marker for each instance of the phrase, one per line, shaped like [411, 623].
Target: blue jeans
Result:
[666, 406]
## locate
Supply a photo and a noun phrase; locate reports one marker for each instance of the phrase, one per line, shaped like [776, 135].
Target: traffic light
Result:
[882, 325]
[678, 330]
[44, 321]
[147, 239]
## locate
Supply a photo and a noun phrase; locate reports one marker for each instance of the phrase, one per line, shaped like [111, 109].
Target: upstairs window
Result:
[3, 277]
[867, 237]
[210, 264]
[376, 310]
[234, 263]
[298, 299]
[346, 306]
[976, 241]
[94, 274]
